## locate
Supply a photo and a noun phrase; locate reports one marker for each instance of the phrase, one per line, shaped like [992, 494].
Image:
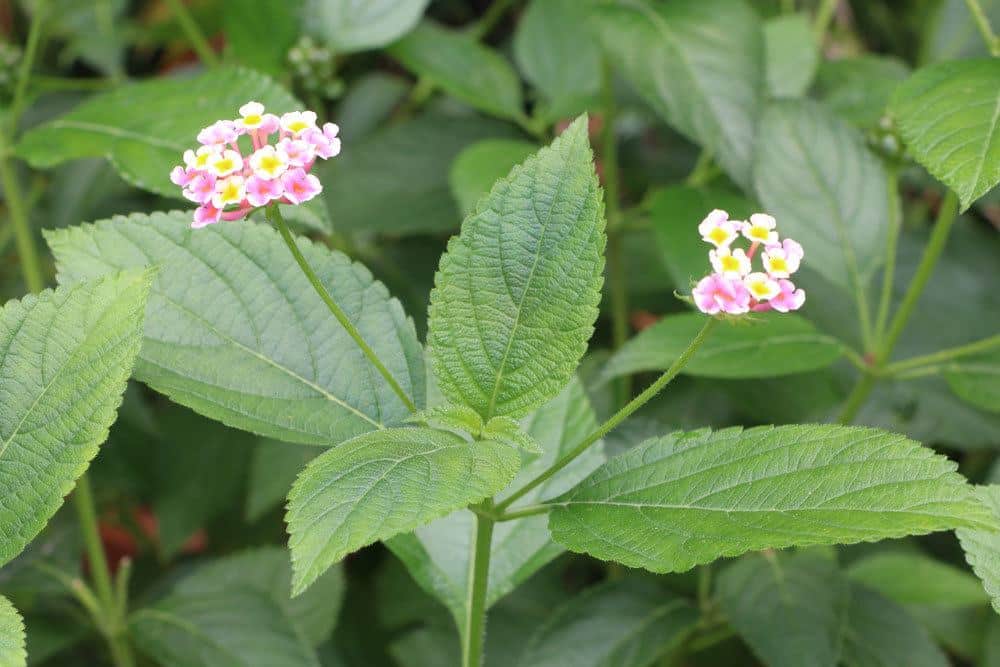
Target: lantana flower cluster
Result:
[735, 287]
[227, 185]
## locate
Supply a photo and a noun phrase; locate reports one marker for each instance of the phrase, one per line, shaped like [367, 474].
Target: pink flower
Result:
[297, 122]
[300, 186]
[761, 286]
[201, 188]
[300, 153]
[262, 191]
[181, 176]
[789, 298]
[718, 229]
[219, 132]
[760, 229]
[730, 263]
[206, 214]
[783, 260]
[715, 293]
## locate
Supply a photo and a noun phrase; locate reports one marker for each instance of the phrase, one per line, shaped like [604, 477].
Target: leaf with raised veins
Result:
[982, 545]
[949, 117]
[235, 331]
[143, 128]
[384, 483]
[516, 295]
[12, 643]
[65, 356]
[689, 498]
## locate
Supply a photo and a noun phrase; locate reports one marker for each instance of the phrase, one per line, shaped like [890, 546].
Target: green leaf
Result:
[976, 380]
[480, 165]
[237, 627]
[982, 545]
[65, 356]
[505, 429]
[260, 34]
[772, 345]
[627, 623]
[268, 570]
[879, 633]
[949, 116]
[858, 89]
[827, 190]
[705, 82]
[674, 213]
[347, 25]
[555, 49]
[274, 466]
[235, 331]
[951, 33]
[12, 653]
[790, 608]
[463, 68]
[917, 579]
[384, 483]
[688, 498]
[396, 181]
[792, 55]
[143, 128]
[437, 555]
[516, 295]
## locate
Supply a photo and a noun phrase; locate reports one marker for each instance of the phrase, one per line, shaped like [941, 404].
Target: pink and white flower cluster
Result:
[227, 185]
[734, 287]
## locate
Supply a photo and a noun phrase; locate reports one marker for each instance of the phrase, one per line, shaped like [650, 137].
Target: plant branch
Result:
[484, 26]
[17, 214]
[193, 33]
[824, 14]
[522, 512]
[27, 64]
[274, 217]
[479, 571]
[888, 276]
[617, 418]
[949, 354]
[985, 29]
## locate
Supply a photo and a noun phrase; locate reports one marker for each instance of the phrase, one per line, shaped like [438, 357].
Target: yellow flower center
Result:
[759, 233]
[297, 126]
[270, 163]
[718, 235]
[252, 119]
[225, 164]
[730, 263]
[230, 193]
[759, 288]
[779, 264]
[202, 160]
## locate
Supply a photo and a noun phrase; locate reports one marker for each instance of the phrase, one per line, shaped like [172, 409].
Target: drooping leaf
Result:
[516, 294]
[771, 346]
[949, 116]
[384, 483]
[268, 570]
[982, 545]
[976, 380]
[859, 89]
[65, 356]
[880, 633]
[827, 190]
[273, 469]
[792, 55]
[236, 627]
[348, 25]
[917, 579]
[462, 67]
[705, 82]
[689, 498]
[12, 653]
[235, 331]
[557, 53]
[143, 128]
[437, 555]
[479, 166]
[790, 608]
[628, 623]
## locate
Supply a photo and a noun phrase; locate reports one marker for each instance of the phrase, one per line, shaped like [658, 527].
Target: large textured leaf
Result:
[859, 89]
[689, 498]
[976, 380]
[143, 128]
[65, 356]
[437, 555]
[916, 579]
[880, 633]
[949, 116]
[792, 55]
[477, 167]
[790, 608]
[268, 570]
[827, 190]
[628, 623]
[703, 79]
[236, 627]
[384, 483]
[12, 652]
[516, 294]
[982, 545]
[356, 25]
[462, 67]
[235, 331]
[775, 345]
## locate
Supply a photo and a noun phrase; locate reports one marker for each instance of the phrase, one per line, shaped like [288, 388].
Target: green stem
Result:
[985, 29]
[27, 64]
[949, 354]
[857, 398]
[616, 418]
[705, 588]
[27, 249]
[823, 16]
[274, 216]
[888, 276]
[494, 13]
[479, 571]
[522, 512]
[193, 33]
[703, 170]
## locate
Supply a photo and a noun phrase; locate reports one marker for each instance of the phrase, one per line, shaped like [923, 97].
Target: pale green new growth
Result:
[982, 545]
[949, 116]
[65, 356]
[12, 651]
[384, 483]
[505, 429]
[690, 498]
[235, 331]
[456, 417]
[143, 128]
[516, 294]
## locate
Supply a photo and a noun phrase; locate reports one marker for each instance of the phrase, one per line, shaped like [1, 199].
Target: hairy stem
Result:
[983, 24]
[616, 418]
[17, 213]
[193, 33]
[479, 572]
[274, 217]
